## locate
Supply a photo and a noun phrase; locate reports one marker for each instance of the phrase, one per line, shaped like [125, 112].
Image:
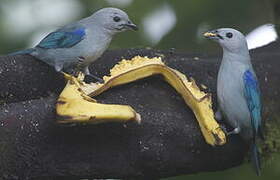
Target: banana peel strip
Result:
[140, 67]
[74, 106]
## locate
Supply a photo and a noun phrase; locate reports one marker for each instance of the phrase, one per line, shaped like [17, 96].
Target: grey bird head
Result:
[230, 39]
[113, 20]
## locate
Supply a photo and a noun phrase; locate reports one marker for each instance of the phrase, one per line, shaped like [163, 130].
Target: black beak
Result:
[131, 26]
[213, 35]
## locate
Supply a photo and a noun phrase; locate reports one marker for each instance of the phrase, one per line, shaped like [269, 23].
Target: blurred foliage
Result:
[244, 15]
[191, 14]
[244, 172]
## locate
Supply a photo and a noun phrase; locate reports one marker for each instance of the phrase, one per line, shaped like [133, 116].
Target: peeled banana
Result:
[140, 67]
[74, 106]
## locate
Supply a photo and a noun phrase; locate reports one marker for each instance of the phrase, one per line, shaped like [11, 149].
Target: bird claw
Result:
[101, 81]
[67, 76]
[223, 127]
[81, 76]
[234, 131]
[218, 116]
[228, 133]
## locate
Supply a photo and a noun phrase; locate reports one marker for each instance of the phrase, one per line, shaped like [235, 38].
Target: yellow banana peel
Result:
[140, 67]
[74, 106]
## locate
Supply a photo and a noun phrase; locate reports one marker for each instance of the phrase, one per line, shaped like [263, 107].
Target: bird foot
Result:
[218, 116]
[78, 76]
[101, 81]
[235, 131]
[228, 133]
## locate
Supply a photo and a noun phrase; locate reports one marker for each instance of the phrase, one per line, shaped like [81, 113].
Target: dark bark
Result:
[24, 78]
[167, 143]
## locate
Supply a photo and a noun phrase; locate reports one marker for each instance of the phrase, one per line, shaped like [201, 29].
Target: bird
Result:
[238, 90]
[75, 46]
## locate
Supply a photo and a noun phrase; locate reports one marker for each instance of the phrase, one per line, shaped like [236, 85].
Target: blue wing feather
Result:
[63, 38]
[252, 94]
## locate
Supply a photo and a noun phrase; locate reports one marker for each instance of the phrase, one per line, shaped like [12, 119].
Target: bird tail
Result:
[22, 52]
[255, 158]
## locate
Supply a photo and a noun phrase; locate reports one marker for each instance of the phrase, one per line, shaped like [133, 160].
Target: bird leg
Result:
[58, 67]
[234, 131]
[87, 73]
[218, 115]
[96, 78]
[84, 68]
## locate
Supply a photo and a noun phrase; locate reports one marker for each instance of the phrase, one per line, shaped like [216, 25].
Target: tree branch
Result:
[167, 143]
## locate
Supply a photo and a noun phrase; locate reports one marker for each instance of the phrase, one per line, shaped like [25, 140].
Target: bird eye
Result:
[229, 35]
[117, 18]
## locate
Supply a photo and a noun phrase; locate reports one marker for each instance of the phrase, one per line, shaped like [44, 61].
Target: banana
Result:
[74, 106]
[140, 67]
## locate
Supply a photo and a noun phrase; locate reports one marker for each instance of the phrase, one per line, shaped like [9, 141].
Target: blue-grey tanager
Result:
[238, 91]
[77, 45]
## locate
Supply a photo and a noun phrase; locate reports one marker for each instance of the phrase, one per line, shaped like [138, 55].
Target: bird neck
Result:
[241, 57]
[109, 32]
[95, 25]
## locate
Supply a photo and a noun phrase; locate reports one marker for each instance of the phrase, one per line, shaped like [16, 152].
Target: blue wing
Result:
[252, 94]
[63, 38]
